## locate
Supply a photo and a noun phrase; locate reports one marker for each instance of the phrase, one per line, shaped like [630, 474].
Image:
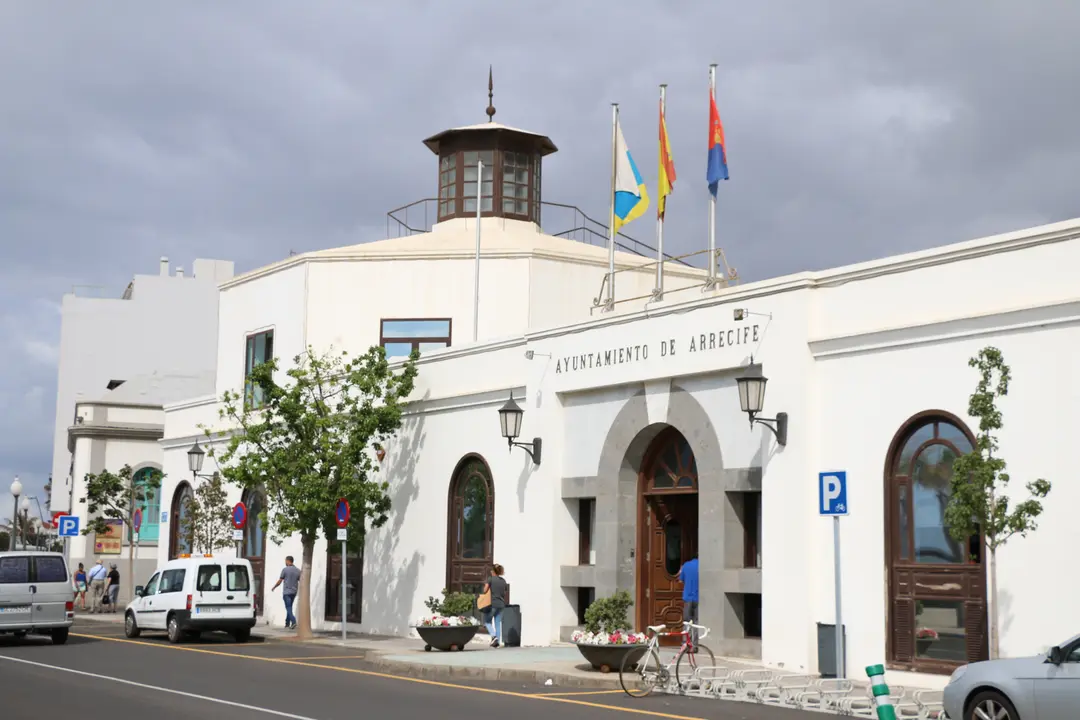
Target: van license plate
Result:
[15, 609]
[202, 610]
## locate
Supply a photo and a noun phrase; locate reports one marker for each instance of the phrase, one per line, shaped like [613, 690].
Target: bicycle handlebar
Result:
[687, 626]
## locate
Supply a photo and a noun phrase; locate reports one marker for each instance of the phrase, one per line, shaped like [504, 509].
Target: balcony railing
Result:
[419, 216]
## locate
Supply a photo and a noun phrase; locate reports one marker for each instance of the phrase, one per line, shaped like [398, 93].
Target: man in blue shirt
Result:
[688, 574]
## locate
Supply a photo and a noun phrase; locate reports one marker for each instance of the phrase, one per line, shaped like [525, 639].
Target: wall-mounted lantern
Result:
[752, 400]
[510, 416]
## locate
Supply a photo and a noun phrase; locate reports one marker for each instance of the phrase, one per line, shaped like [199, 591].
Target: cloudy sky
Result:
[246, 129]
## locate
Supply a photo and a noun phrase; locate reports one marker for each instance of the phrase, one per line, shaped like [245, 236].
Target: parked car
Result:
[1043, 687]
[36, 595]
[194, 594]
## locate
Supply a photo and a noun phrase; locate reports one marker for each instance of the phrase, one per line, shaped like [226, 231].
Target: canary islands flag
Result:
[631, 197]
[717, 168]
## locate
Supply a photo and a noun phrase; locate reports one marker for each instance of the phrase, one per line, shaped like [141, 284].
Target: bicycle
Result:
[642, 676]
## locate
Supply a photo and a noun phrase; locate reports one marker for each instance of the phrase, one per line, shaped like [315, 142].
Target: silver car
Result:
[36, 595]
[1044, 687]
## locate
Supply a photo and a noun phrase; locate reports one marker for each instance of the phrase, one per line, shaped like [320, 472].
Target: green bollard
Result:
[885, 709]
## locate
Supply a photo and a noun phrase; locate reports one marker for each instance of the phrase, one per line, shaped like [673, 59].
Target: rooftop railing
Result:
[571, 222]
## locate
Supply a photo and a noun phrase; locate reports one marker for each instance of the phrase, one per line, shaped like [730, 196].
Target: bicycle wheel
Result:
[689, 662]
[640, 678]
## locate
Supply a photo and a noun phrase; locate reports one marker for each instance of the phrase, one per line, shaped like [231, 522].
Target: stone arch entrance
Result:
[667, 525]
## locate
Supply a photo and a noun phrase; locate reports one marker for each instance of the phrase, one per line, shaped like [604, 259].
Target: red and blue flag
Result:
[717, 169]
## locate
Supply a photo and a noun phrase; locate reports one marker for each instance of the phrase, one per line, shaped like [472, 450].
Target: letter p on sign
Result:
[832, 493]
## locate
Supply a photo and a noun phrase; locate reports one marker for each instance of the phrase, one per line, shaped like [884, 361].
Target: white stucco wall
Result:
[116, 339]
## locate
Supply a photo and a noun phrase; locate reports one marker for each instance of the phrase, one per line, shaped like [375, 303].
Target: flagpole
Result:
[610, 304]
[658, 293]
[476, 270]
[711, 282]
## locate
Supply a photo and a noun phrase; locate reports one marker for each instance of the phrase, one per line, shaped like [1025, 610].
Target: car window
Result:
[172, 581]
[49, 570]
[209, 579]
[238, 578]
[14, 570]
[1074, 655]
[151, 586]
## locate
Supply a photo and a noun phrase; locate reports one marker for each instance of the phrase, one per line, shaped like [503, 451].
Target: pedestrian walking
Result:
[290, 575]
[79, 580]
[112, 586]
[497, 588]
[97, 576]
[688, 574]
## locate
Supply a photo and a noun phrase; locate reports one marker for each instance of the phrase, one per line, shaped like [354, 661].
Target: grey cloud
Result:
[247, 129]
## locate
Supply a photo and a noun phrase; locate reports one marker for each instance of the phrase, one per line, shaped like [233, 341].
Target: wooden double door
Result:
[669, 539]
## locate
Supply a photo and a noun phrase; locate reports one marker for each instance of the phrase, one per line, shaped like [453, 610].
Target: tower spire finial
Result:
[491, 93]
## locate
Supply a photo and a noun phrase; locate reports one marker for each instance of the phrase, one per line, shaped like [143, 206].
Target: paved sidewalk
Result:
[560, 664]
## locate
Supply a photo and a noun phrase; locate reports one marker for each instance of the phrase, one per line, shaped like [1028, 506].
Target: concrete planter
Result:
[608, 658]
[446, 638]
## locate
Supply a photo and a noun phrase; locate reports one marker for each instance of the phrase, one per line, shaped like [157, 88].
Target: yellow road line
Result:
[403, 678]
[329, 657]
[586, 692]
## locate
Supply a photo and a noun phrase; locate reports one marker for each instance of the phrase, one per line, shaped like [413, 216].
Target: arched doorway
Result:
[937, 586]
[180, 531]
[255, 541]
[470, 542]
[667, 527]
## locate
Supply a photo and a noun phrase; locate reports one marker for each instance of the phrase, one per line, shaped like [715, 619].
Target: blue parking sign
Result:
[832, 493]
[68, 526]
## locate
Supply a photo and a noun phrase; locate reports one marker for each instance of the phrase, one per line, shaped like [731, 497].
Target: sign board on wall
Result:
[111, 541]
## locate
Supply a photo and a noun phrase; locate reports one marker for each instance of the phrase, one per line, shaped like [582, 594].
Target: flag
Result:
[666, 178]
[631, 197]
[717, 169]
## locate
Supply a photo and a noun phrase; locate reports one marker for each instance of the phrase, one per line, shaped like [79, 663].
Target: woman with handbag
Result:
[492, 601]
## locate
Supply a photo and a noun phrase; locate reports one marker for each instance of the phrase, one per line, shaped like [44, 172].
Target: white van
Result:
[36, 595]
[194, 594]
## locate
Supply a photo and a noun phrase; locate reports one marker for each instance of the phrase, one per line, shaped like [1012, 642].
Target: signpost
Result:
[67, 526]
[342, 518]
[239, 520]
[832, 502]
[136, 526]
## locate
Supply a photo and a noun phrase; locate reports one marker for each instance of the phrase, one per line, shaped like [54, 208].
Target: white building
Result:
[164, 323]
[123, 426]
[647, 456]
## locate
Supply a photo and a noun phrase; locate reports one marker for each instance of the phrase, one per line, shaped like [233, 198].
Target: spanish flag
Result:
[666, 177]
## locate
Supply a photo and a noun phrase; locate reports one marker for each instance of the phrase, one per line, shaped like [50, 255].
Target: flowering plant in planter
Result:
[442, 621]
[619, 637]
[926, 634]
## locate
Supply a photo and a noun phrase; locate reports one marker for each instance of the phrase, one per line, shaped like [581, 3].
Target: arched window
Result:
[255, 540]
[151, 505]
[180, 531]
[672, 466]
[470, 541]
[937, 589]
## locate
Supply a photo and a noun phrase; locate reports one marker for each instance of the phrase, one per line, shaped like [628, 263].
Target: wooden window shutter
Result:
[976, 631]
[903, 630]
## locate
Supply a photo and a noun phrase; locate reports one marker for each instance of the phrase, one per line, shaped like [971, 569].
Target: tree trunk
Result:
[303, 599]
[994, 646]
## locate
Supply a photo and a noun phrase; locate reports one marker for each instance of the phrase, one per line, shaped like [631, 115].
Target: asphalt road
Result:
[99, 674]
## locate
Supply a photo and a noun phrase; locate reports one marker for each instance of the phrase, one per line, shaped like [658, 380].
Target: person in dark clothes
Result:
[112, 586]
[493, 618]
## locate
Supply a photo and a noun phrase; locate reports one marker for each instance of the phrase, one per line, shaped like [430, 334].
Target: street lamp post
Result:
[25, 507]
[16, 491]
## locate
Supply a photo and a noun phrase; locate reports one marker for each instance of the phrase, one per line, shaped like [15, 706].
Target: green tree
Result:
[311, 440]
[115, 496]
[978, 501]
[207, 526]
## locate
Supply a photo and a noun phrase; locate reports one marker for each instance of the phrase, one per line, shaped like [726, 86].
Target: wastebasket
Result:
[511, 626]
[826, 642]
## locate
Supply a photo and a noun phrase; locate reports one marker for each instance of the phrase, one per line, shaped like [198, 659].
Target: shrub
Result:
[609, 614]
[451, 604]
